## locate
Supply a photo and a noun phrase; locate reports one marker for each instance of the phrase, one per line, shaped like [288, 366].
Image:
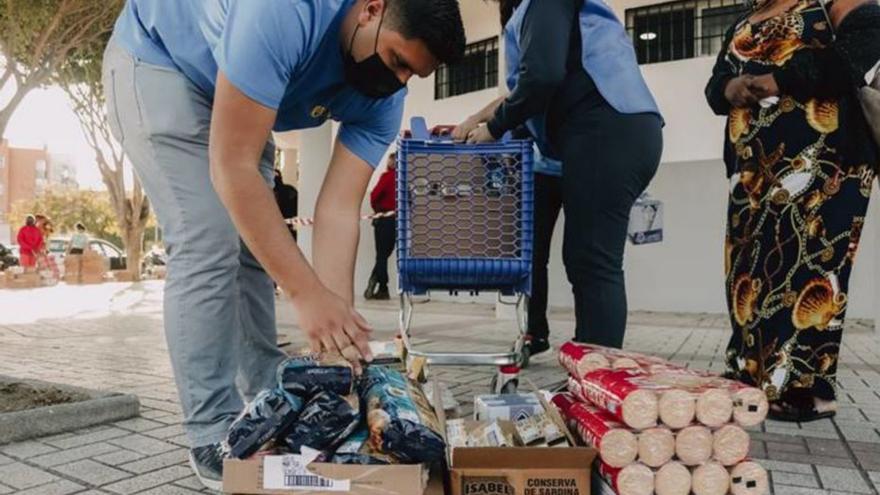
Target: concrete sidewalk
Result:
[110, 337]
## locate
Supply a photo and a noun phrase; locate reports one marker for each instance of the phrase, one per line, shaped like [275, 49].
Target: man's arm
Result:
[337, 221]
[240, 128]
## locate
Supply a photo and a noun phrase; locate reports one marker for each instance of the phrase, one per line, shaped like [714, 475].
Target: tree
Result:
[66, 207]
[80, 77]
[37, 36]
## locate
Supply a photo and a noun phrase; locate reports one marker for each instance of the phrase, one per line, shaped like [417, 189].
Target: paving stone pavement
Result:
[110, 337]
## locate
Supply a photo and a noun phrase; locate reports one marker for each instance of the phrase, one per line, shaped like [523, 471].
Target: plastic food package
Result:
[268, 415]
[305, 376]
[324, 423]
[401, 422]
[356, 450]
[490, 435]
[456, 433]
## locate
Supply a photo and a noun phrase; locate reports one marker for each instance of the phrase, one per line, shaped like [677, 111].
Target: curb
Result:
[100, 408]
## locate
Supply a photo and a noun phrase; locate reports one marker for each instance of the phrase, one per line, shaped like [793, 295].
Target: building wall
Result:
[19, 181]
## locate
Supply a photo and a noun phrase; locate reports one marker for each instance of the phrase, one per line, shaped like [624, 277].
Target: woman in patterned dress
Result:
[801, 163]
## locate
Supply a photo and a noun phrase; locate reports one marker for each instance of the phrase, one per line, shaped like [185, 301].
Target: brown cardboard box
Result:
[521, 471]
[122, 276]
[251, 477]
[27, 280]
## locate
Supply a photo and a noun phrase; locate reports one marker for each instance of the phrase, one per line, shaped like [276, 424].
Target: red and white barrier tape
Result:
[308, 222]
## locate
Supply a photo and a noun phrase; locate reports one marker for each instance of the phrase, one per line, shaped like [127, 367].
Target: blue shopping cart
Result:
[465, 223]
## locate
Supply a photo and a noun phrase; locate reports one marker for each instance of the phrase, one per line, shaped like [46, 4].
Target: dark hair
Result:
[30, 220]
[506, 8]
[80, 226]
[436, 22]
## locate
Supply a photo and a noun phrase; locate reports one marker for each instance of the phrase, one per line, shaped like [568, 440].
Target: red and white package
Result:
[619, 393]
[617, 445]
[635, 479]
[730, 445]
[717, 398]
[749, 478]
[710, 478]
[672, 479]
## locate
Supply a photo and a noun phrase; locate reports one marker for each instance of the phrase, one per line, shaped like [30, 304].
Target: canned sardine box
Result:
[510, 407]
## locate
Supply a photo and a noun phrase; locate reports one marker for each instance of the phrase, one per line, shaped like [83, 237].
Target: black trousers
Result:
[548, 203]
[608, 159]
[385, 233]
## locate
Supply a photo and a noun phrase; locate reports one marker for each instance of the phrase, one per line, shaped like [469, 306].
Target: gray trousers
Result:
[219, 308]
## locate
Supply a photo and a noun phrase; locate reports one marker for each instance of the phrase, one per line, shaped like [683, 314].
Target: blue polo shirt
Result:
[284, 54]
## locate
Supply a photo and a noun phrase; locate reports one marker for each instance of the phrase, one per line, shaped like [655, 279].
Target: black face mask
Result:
[371, 76]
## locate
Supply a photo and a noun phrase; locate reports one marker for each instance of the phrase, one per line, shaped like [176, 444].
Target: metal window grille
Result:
[477, 70]
[682, 29]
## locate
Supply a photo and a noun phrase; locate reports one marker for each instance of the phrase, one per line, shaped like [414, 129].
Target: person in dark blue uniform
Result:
[575, 84]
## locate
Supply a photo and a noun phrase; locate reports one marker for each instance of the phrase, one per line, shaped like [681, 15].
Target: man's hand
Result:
[332, 324]
[739, 93]
[461, 131]
[763, 86]
[480, 135]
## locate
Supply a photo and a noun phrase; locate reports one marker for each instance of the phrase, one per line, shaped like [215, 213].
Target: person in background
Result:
[383, 199]
[79, 241]
[287, 198]
[801, 165]
[575, 84]
[31, 243]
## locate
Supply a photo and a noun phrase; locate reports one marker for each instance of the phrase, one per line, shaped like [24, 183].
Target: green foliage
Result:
[67, 207]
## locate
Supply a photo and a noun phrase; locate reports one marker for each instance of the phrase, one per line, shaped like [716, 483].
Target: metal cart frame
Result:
[465, 224]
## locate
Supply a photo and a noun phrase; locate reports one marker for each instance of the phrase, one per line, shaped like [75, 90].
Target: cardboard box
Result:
[509, 407]
[26, 280]
[521, 471]
[122, 276]
[285, 474]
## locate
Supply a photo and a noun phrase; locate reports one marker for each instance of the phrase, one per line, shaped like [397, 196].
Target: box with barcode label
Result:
[280, 474]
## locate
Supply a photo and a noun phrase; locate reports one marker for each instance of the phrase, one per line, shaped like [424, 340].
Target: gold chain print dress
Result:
[796, 210]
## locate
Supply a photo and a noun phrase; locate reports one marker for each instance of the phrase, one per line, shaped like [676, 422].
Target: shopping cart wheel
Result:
[506, 380]
[525, 355]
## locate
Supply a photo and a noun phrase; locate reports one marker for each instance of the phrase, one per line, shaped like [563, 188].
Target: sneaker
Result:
[207, 463]
[372, 286]
[538, 346]
[382, 294]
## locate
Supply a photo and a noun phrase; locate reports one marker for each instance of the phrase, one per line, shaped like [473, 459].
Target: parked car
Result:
[118, 261]
[8, 257]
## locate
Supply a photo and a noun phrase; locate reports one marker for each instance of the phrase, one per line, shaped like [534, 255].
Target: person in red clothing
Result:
[30, 243]
[383, 199]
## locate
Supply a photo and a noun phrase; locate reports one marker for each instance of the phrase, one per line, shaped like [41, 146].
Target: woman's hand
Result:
[764, 86]
[739, 92]
[480, 135]
[461, 131]
[332, 324]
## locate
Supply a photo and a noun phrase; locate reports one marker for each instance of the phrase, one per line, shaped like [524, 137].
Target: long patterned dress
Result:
[796, 211]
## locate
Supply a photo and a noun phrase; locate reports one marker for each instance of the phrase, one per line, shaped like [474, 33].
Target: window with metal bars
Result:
[477, 70]
[682, 29]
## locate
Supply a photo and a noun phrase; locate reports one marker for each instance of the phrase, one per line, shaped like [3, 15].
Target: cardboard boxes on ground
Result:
[517, 445]
[87, 268]
[17, 278]
[539, 458]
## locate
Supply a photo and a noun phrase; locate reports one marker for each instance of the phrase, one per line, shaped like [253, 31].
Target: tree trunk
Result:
[133, 239]
[9, 110]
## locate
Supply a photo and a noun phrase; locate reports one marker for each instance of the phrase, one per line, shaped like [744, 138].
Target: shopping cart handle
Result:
[419, 130]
